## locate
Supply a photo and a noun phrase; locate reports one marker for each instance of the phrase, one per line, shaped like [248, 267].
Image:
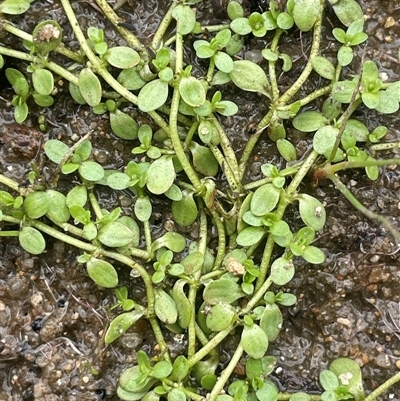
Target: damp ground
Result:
[53, 317]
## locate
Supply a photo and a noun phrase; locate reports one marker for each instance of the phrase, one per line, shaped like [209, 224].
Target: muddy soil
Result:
[53, 317]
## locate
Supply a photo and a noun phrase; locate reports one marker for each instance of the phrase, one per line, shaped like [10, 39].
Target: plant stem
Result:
[285, 98]
[213, 343]
[331, 169]
[383, 387]
[95, 205]
[225, 374]
[384, 146]
[271, 66]
[360, 207]
[173, 121]
[131, 39]
[9, 182]
[156, 43]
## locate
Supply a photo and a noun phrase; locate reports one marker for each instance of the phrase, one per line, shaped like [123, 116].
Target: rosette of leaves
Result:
[155, 93]
[43, 84]
[373, 94]
[353, 36]
[77, 160]
[145, 136]
[274, 56]
[213, 50]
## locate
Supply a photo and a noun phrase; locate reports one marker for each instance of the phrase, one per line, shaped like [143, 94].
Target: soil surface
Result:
[53, 317]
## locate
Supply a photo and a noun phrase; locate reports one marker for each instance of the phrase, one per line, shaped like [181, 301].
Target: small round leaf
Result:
[32, 240]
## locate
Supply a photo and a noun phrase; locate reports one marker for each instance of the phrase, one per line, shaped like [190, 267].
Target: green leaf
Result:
[185, 17]
[222, 290]
[173, 241]
[143, 208]
[223, 62]
[264, 200]
[388, 100]
[182, 302]
[282, 271]
[357, 129]
[271, 321]
[305, 13]
[250, 236]
[323, 67]
[91, 171]
[241, 26]
[121, 324]
[286, 150]
[324, 139]
[161, 175]
[312, 212]
[90, 87]
[131, 79]
[14, 7]
[55, 150]
[184, 211]
[18, 81]
[165, 307]
[43, 81]
[254, 341]
[300, 397]
[162, 369]
[122, 57]
[102, 273]
[180, 368]
[347, 11]
[77, 196]
[36, 204]
[220, 316]
[203, 160]
[118, 181]
[76, 93]
[133, 226]
[313, 255]
[249, 76]
[328, 380]
[123, 125]
[342, 91]
[32, 240]
[235, 10]
[21, 113]
[192, 91]
[58, 210]
[134, 381]
[349, 374]
[345, 55]
[309, 121]
[115, 234]
[47, 36]
[176, 395]
[153, 95]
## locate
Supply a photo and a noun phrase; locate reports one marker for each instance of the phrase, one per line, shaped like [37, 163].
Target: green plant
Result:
[177, 159]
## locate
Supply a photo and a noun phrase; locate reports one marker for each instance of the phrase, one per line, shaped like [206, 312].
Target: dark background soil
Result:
[53, 317]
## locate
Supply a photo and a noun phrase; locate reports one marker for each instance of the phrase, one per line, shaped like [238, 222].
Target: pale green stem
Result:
[210, 71]
[95, 206]
[206, 349]
[287, 396]
[221, 239]
[156, 43]
[285, 98]
[226, 168]
[383, 387]
[251, 143]
[256, 184]
[384, 146]
[130, 38]
[10, 183]
[226, 146]
[189, 394]
[9, 233]
[271, 66]
[147, 236]
[190, 134]
[225, 374]
[193, 287]
[360, 207]
[331, 169]
[173, 122]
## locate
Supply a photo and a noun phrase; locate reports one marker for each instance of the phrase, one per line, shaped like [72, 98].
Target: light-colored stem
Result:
[225, 374]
